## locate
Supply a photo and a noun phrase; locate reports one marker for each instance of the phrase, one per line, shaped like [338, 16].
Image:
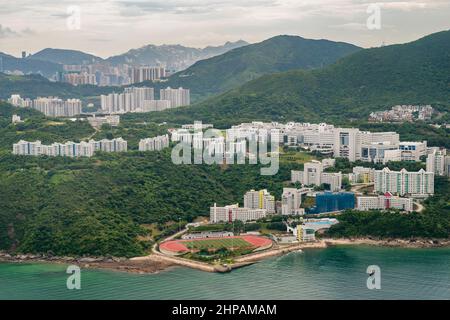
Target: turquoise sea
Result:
[332, 273]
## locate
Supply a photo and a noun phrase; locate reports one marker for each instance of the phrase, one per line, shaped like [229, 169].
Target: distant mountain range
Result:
[173, 57]
[372, 79]
[277, 54]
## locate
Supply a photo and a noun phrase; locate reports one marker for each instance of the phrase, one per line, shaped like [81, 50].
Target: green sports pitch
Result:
[236, 243]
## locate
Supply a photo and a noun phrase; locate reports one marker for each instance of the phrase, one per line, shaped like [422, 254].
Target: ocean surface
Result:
[332, 273]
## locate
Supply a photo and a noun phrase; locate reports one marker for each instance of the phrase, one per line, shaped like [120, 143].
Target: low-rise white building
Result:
[234, 212]
[384, 202]
[97, 122]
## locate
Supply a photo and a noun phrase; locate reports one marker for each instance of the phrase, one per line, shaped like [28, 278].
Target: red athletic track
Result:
[178, 246]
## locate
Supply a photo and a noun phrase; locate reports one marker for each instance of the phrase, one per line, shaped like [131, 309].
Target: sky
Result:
[111, 27]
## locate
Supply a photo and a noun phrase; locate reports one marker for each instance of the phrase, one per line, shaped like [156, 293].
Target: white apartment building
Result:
[177, 97]
[69, 149]
[114, 145]
[154, 144]
[436, 162]
[346, 143]
[131, 100]
[261, 199]
[80, 78]
[384, 202]
[50, 106]
[291, 200]
[414, 184]
[147, 73]
[234, 212]
[313, 175]
[17, 101]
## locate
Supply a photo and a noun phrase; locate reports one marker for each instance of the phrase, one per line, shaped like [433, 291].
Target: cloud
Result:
[139, 8]
[6, 32]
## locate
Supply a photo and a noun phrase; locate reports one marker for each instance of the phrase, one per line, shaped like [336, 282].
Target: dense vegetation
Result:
[98, 205]
[433, 222]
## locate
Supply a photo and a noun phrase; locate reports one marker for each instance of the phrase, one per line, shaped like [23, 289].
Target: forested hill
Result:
[368, 80]
[236, 67]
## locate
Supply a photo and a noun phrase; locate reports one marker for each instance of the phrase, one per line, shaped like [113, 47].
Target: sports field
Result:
[236, 243]
[175, 247]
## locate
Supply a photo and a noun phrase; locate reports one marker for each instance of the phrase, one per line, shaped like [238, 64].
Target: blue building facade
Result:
[333, 201]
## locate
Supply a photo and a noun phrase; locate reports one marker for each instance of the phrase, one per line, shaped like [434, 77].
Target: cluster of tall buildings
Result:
[102, 74]
[50, 106]
[350, 143]
[260, 203]
[69, 149]
[216, 145]
[314, 175]
[403, 113]
[142, 99]
[147, 73]
[82, 78]
[154, 144]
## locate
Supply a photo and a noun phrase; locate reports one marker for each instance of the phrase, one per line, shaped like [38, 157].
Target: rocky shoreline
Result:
[392, 243]
[154, 263]
[109, 263]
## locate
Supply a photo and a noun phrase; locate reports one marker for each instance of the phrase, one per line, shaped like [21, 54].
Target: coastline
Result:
[156, 263]
[418, 243]
[147, 266]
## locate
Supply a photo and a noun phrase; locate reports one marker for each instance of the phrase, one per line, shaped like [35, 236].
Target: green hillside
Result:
[27, 65]
[236, 67]
[98, 205]
[368, 80]
[32, 86]
[64, 56]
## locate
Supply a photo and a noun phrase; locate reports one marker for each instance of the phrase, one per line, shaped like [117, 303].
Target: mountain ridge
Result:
[371, 79]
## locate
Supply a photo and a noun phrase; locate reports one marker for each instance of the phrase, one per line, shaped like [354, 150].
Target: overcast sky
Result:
[111, 27]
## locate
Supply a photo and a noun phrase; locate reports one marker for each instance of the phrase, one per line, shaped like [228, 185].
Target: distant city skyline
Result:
[112, 27]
